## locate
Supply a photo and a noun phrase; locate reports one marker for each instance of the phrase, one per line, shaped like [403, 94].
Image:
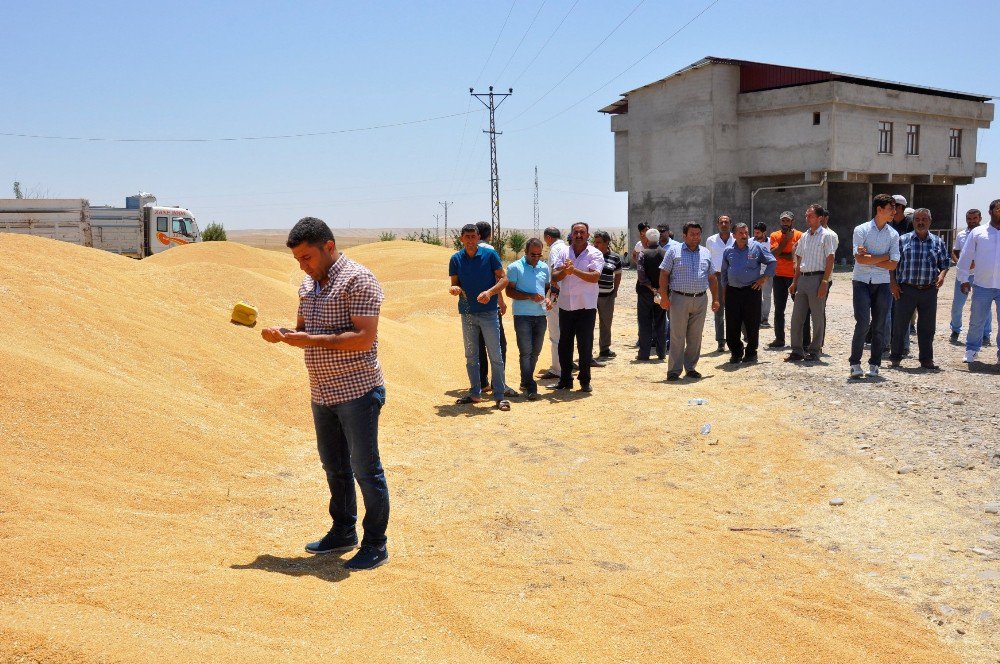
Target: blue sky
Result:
[252, 69]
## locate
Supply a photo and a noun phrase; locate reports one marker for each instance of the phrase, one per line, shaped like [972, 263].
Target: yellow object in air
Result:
[244, 314]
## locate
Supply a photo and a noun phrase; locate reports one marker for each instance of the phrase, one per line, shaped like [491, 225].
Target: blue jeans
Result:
[958, 303]
[530, 331]
[871, 307]
[487, 322]
[347, 438]
[983, 302]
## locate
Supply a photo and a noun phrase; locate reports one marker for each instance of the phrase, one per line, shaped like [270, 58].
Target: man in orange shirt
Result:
[783, 247]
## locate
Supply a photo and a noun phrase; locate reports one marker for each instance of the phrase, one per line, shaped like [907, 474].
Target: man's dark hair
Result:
[975, 212]
[663, 228]
[580, 223]
[485, 230]
[760, 226]
[818, 210]
[643, 226]
[311, 230]
[604, 235]
[995, 205]
[881, 201]
[552, 232]
[690, 224]
[738, 225]
[532, 243]
[470, 228]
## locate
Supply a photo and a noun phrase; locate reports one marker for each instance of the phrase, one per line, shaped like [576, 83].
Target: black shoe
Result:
[640, 358]
[986, 342]
[586, 388]
[607, 353]
[597, 363]
[750, 358]
[531, 396]
[673, 376]
[368, 558]
[562, 386]
[776, 344]
[333, 543]
[954, 338]
[795, 357]
[692, 374]
[735, 359]
[812, 357]
[722, 347]
[895, 362]
[548, 375]
[930, 366]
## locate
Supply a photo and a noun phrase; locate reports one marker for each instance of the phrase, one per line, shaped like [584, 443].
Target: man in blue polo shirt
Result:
[528, 282]
[477, 277]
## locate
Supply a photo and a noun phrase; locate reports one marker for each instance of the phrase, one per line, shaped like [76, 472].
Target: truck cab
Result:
[167, 227]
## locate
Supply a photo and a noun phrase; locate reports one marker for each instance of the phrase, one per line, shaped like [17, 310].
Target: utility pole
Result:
[437, 226]
[446, 204]
[494, 172]
[536, 200]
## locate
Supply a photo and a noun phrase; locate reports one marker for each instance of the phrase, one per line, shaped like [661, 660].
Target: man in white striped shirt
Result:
[814, 255]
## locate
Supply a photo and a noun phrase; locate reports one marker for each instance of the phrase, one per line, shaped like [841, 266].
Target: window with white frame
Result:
[885, 137]
[912, 139]
[955, 143]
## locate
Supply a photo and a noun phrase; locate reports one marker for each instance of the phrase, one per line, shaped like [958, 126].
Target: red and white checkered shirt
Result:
[338, 376]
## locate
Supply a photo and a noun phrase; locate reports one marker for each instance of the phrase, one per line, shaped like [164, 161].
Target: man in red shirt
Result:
[783, 247]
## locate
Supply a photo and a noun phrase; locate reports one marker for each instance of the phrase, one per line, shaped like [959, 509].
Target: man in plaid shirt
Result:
[914, 284]
[339, 302]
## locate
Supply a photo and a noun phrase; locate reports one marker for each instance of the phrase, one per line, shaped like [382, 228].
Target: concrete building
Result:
[750, 140]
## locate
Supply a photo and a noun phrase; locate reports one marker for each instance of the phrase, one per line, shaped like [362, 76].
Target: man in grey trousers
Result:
[814, 255]
[686, 273]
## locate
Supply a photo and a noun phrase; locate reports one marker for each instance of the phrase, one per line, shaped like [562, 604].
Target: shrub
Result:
[425, 235]
[213, 233]
[499, 241]
[387, 236]
[517, 241]
[456, 239]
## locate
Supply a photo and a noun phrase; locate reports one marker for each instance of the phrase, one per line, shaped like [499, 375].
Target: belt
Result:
[810, 274]
[927, 287]
[737, 287]
[689, 294]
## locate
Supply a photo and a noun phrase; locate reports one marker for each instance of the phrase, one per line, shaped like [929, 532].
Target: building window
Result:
[912, 139]
[885, 137]
[816, 118]
[955, 143]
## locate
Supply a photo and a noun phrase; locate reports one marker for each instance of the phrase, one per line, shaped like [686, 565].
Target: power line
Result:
[624, 71]
[497, 41]
[580, 64]
[234, 138]
[532, 61]
[516, 48]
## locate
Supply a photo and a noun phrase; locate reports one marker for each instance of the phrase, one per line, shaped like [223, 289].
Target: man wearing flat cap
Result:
[783, 249]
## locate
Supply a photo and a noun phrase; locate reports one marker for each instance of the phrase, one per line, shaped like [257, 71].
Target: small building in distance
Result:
[749, 140]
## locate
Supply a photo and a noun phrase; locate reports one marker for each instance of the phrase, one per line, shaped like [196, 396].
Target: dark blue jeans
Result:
[871, 306]
[347, 438]
[530, 331]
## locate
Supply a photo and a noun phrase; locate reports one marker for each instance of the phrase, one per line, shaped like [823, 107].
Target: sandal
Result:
[503, 405]
[466, 400]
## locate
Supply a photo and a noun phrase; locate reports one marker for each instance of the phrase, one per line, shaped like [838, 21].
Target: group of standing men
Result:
[564, 297]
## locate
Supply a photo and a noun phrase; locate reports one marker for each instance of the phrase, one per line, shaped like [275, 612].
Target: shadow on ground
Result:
[327, 568]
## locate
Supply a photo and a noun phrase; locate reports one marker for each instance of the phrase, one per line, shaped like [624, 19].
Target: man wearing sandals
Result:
[477, 278]
[337, 325]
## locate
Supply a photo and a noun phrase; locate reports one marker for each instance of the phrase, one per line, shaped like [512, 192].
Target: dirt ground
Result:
[160, 478]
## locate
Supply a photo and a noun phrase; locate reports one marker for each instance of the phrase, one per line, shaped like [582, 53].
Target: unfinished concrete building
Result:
[750, 140]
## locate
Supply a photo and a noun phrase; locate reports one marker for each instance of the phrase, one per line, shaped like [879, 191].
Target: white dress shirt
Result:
[574, 292]
[982, 246]
[717, 247]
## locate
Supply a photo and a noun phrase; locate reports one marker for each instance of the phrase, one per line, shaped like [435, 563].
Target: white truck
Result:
[141, 228]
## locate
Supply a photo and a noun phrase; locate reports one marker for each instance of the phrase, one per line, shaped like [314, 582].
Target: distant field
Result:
[274, 239]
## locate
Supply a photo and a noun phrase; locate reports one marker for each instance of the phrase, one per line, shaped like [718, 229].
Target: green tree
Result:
[387, 236]
[18, 194]
[456, 239]
[516, 242]
[214, 232]
[499, 241]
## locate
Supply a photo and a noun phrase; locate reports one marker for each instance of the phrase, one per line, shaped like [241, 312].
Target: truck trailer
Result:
[141, 228]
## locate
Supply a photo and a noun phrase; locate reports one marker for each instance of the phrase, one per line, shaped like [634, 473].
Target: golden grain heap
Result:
[160, 478]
